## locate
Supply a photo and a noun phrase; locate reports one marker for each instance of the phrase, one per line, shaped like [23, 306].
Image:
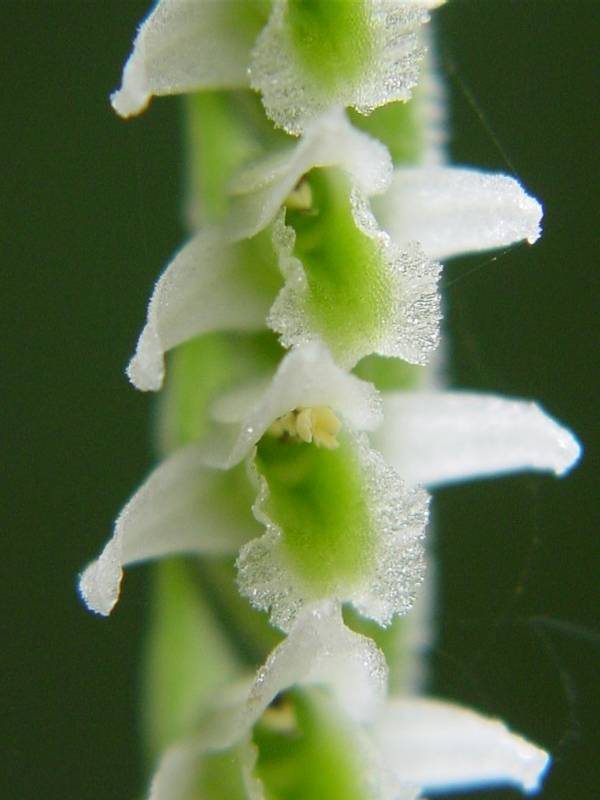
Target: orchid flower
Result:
[371, 57]
[347, 281]
[342, 521]
[357, 742]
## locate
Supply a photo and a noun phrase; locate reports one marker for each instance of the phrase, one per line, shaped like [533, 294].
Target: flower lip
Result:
[374, 297]
[295, 91]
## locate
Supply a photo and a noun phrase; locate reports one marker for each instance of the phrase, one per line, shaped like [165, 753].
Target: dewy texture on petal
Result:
[443, 437]
[348, 284]
[451, 211]
[321, 650]
[183, 507]
[187, 45]
[313, 56]
[442, 747]
[212, 284]
[340, 524]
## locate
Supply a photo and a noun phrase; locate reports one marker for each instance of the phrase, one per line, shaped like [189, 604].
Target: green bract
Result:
[223, 776]
[188, 657]
[225, 132]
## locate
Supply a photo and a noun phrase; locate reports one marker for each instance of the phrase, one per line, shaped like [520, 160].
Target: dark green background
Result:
[89, 215]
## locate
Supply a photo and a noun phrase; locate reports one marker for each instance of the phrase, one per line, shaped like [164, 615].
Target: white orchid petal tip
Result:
[133, 96]
[455, 210]
[437, 438]
[570, 451]
[441, 746]
[100, 582]
[144, 378]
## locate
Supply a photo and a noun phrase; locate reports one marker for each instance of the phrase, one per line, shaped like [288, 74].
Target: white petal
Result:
[208, 286]
[409, 329]
[443, 747]
[307, 376]
[292, 98]
[179, 509]
[183, 46]
[443, 437]
[321, 650]
[451, 211]
[259, 191]
[398, 514]
[180, 771]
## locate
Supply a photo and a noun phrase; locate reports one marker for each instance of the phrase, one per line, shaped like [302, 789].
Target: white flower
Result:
[370, 290]
[371, 54]
[370, 58]
[395, 748]
[341, 523]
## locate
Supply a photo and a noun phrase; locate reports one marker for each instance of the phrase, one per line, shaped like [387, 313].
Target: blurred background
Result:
[90, 214]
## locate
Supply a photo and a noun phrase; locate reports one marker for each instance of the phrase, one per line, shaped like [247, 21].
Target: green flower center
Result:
[317, 499]
[331, 39]
[350, 291]
[312, 755]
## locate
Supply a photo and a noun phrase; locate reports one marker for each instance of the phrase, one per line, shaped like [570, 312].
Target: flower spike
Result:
[303, 485]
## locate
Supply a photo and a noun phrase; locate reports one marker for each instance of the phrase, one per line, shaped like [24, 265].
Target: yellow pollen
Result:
[280, 718]
[316, 424]
[300, 198]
